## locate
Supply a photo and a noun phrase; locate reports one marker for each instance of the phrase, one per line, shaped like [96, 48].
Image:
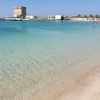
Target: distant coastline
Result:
[83, 19]
[20, 14]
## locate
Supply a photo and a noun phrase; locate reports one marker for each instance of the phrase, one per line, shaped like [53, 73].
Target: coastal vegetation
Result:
[87, 16]
[78, 17]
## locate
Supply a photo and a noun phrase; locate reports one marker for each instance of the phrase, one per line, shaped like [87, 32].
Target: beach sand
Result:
[86, 87]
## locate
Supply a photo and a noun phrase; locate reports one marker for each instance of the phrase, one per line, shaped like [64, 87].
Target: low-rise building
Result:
[30, 17]
[50, 17]
[58, 17]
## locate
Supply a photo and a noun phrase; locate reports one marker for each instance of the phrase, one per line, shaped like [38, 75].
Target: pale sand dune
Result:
[87, 88]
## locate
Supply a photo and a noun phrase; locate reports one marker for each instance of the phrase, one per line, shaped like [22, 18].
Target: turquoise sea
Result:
[39, 58]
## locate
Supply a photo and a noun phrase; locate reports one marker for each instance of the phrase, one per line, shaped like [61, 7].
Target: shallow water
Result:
[33, 55]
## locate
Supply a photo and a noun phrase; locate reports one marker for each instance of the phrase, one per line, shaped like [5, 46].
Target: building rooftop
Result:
[17, 7]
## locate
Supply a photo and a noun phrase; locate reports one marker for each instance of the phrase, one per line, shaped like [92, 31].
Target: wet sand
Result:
[85, 88]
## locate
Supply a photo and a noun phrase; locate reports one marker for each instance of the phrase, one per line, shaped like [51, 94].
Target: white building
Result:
[58, 17]
[30, 17]
[50, 17]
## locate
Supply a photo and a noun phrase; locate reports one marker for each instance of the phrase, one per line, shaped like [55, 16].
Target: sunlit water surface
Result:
[39, 58]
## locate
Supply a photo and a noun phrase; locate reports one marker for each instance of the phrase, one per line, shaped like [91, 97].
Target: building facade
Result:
[30, 17]
[56, 17]
[50, 17]
[20, 12]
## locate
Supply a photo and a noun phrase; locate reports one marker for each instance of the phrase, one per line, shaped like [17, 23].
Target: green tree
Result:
[91, 16]
[35, 17]
[85, 16]
[97, 16]
[62, 17]
[79, 15]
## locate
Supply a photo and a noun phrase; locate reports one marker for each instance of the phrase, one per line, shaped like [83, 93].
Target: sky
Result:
[51, 7]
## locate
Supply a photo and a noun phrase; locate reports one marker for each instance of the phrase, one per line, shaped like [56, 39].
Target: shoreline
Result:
[85, 88]
[14, 19]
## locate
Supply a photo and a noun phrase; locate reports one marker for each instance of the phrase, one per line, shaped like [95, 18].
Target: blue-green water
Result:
[37, 57]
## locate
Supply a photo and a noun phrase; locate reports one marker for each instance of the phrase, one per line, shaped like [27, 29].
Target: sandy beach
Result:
[85, 88]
